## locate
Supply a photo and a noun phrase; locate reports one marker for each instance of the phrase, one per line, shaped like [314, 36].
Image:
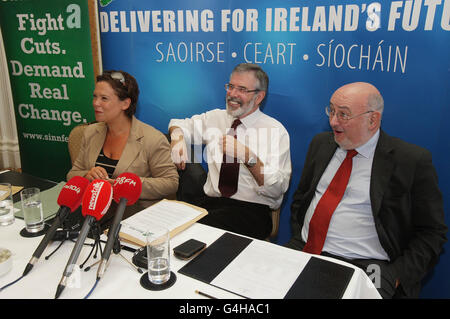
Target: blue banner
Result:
[182, 53]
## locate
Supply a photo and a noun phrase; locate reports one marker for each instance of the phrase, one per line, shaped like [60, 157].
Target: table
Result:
[121, 280]
[25, 180]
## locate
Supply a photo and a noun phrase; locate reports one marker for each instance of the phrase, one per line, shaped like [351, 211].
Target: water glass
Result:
[158, 254]
[6, 205]
[32, 209]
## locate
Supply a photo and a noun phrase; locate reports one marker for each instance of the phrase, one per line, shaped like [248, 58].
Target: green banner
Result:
[49, 57]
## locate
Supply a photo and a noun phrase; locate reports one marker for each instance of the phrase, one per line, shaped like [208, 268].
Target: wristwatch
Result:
[251, 161]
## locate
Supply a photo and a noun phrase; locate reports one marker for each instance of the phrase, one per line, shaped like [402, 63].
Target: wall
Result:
[182, 53]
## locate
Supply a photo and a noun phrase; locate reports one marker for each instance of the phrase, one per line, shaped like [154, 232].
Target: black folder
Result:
[321, 279]
[206, 266]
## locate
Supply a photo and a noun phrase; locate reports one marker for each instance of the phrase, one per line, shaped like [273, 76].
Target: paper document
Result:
[173, 215]
[262, 271]
[14, 190]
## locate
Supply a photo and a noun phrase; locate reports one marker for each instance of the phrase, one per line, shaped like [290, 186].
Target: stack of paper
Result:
[173, 215]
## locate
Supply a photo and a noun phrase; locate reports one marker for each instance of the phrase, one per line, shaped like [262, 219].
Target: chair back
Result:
[74, 141]
[192, 179]
[275, 214]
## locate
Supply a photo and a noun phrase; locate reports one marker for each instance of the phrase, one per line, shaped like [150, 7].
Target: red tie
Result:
[229, 171]
[318, 225]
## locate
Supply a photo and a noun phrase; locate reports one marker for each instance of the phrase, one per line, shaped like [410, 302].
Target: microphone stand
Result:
[117, 247]
[69, 235]
[59, 246]
[116, 250]
[95, 231]
[71, 232]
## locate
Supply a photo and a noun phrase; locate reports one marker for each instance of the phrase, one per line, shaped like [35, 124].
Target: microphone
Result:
[96, 201]
[61, 235]
[126, 191]
[69, 200]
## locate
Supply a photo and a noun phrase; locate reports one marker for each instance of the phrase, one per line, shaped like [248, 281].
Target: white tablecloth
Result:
[121, 280]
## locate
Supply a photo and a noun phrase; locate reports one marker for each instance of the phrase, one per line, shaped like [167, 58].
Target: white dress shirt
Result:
[351, 233]
[265, 137]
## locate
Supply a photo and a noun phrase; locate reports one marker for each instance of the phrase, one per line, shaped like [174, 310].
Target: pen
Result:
[205, 295]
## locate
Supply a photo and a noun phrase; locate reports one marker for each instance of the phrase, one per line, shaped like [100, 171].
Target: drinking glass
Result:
[158, 254]
[32, 209]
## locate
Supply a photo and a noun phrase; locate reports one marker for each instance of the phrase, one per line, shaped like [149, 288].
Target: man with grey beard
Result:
[248, 156]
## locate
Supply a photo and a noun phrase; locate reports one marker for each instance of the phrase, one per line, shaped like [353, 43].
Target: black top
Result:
[107, 163]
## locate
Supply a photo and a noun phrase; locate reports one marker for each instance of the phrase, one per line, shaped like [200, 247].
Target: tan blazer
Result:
[146, 154]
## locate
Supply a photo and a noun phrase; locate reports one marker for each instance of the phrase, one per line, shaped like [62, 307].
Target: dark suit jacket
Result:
[405, 198]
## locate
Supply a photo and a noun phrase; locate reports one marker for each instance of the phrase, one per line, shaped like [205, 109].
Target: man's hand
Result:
[179, 149]
[233, 148]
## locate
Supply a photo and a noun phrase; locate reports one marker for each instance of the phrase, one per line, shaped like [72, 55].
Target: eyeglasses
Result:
[240, 89]
[342, 116]
[118, 76]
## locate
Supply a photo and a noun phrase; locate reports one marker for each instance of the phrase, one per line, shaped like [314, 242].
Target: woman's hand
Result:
[96, 173]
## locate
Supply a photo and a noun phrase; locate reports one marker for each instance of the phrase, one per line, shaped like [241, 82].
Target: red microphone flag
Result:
[128, 186]
[97, 199]
[72, 193]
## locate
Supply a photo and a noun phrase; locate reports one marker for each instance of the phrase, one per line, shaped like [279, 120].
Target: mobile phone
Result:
[189, 249]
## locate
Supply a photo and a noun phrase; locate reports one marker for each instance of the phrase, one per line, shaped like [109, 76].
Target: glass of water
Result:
[32, 209]
[6, 205]
[158, 254]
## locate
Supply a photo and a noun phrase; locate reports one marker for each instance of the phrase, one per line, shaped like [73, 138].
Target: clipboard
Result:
[172, 214]
[16, 189]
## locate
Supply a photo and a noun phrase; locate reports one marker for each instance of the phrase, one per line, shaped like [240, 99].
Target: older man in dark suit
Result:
[368, 198]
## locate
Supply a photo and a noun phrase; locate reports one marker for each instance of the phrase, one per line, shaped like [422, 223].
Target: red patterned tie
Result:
[318, 225]
[229, 171]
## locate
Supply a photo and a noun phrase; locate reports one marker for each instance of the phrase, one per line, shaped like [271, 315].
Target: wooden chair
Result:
[275, 224]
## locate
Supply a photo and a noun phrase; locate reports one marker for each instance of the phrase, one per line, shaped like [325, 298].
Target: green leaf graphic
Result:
[104, 3]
